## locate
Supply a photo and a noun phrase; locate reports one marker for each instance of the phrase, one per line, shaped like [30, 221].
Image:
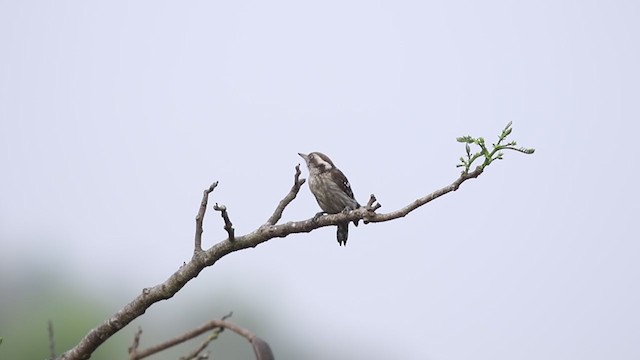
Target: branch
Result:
[489, 156]
[205, 258]
[373, 204]
[370, 217]
[200, 216]
[297, 183]
[133, 349]
[195, 354]
[217, 326]
[227, 223]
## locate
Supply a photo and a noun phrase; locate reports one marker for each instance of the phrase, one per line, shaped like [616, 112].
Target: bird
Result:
[331, 190]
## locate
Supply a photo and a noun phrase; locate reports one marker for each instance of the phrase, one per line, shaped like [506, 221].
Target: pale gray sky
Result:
[114, 116]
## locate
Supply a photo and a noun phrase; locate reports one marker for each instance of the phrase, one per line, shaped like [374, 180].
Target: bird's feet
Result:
[318, 215]
[348, 209]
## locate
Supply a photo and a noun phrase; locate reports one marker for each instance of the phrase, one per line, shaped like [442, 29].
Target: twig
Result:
[133, 349]
[423, 200]
[211, 325]
[200, 216]
[227, 223]
[373, 204]
[297, 183]
[489, 155]
[52, 343]
[195, 354]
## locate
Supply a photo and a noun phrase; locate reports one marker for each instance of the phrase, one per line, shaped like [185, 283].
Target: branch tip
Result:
[489, 155]
[133, 349]
[230, 314]
[212, 187]
[228, 226]
[200, 217]
[372, 200]
[297, 183]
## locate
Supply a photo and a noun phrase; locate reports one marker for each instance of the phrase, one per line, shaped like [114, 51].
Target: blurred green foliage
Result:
[29, 300]
[32, 296]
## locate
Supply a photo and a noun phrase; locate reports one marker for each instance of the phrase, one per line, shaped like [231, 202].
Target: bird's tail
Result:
[343, 233]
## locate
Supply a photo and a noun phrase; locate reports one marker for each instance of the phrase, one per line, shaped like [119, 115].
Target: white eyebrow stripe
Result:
[321, 162]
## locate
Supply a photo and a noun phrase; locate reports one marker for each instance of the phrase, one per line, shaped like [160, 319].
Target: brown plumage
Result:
[331, 189]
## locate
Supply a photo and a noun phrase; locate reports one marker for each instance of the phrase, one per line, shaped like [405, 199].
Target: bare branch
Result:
[297, 183]
[423, 200]
[373, 204]
[205, 258]
[200, 216]
[217, 326]
[227, 223]
[133, 349]
[195, 354]
[52, 343]
[202, 259]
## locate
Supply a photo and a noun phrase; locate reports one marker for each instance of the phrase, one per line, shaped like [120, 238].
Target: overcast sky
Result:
[114, 116]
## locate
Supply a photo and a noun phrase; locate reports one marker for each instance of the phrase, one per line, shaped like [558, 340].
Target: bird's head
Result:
[317, 162]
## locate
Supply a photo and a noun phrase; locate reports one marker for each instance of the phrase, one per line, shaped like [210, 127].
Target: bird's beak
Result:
[304, 156]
